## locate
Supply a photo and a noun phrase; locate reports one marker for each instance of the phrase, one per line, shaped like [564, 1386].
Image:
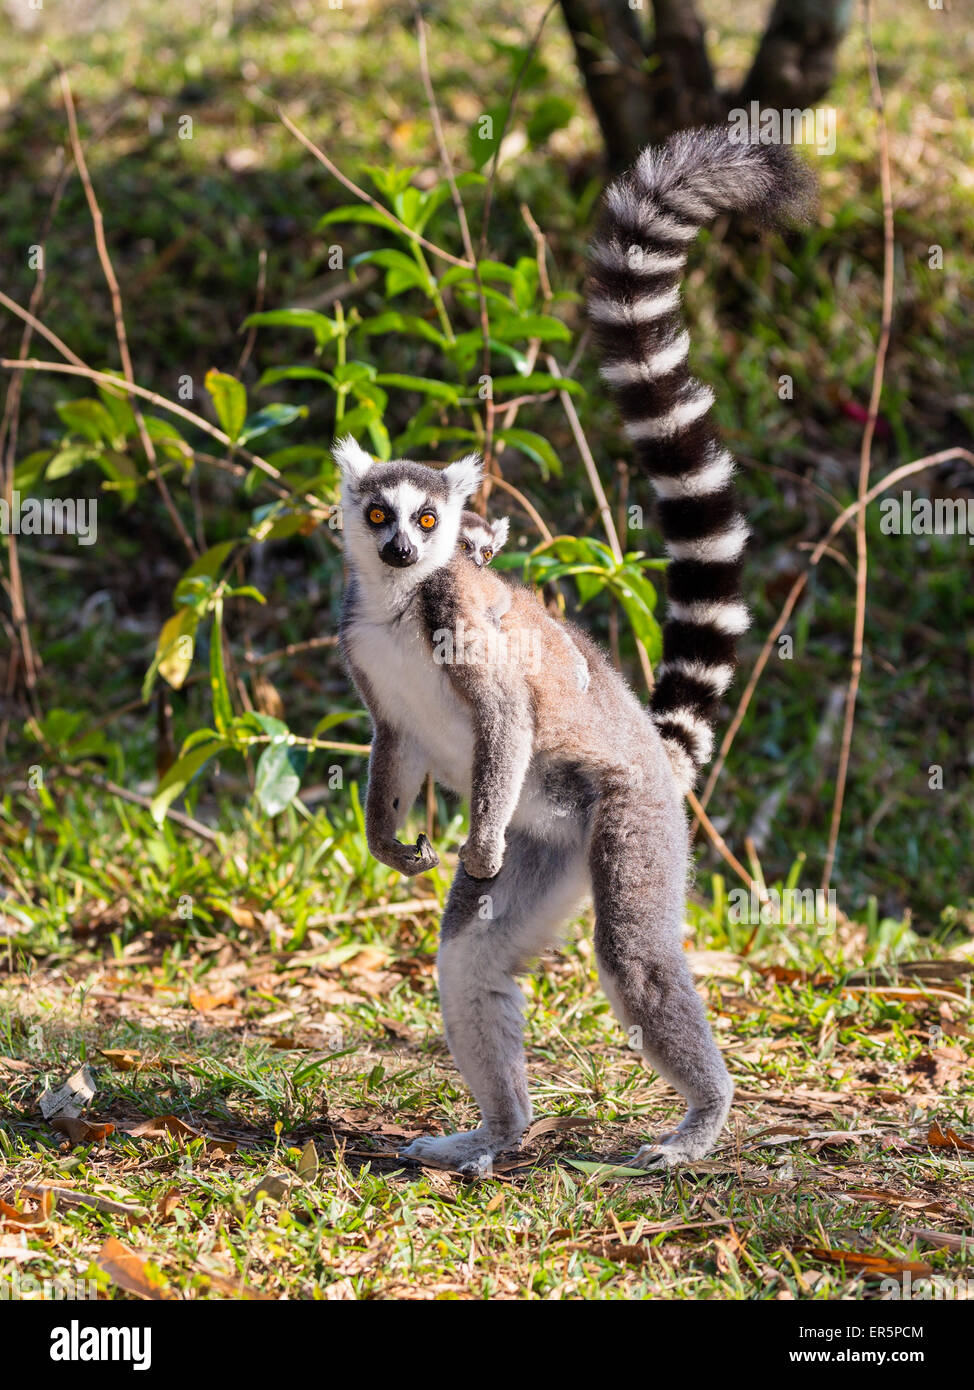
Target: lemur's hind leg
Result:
[491, 930]
[639, 860]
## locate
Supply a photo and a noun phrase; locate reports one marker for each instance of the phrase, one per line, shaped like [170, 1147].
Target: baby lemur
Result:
[574, 787]
[481, 540]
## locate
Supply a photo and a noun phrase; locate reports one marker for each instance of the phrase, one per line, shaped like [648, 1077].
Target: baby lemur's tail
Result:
[638, 259]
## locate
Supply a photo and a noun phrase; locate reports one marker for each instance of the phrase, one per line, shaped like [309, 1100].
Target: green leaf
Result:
[30, 469]
[65, 461]
[605, 1170]
[338, 716]
[537, 381]
[209, 563]
[480, 143]
[89, 418]
[174, 651]
[275, 374]
[391, 181]
[551, 113]
[642, 621]
[179, 776]
[541, 326]
[230, 399]
[394, 322]
[402, 271]
[442, 390]
[379, 435]
[219, 689]
[120, 470]
[256, 722]
[357, 212]
[281, 527]
[535, 446]
[278, 778]
[118, 407]
[323, 328]
[271, 417]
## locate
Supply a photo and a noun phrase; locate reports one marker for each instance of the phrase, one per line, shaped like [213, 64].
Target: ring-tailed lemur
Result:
[481, 540]
[572, 786]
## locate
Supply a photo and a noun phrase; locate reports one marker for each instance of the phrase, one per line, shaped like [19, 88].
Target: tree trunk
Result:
[795, 62]
[682, 79]
[612, 59]
[644, 87]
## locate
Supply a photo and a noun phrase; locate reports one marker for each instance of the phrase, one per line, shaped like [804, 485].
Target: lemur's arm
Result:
[502, 716]
[503, 738]
[397, 768]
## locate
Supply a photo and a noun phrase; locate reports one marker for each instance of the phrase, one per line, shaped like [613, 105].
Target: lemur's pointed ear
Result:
[499, 531]
[464, 476]
[352, 460]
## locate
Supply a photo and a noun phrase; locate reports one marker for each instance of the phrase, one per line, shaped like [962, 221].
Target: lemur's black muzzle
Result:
[399, 552]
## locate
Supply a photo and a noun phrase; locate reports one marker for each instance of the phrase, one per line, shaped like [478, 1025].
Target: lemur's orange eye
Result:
[464, 545]
[488, 554]
[428, 521]
[377, 516]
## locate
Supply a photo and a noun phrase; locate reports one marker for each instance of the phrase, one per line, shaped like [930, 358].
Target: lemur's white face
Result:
[481, 540]
[401, 520]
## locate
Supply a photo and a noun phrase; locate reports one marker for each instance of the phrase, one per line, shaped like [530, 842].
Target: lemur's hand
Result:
[408, 859]
[482, 860]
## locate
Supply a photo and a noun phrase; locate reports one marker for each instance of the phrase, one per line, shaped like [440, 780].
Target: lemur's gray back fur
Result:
[638, 259]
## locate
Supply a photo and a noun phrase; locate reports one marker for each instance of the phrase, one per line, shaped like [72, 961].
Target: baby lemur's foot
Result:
[693, 1139]
[471, 1153]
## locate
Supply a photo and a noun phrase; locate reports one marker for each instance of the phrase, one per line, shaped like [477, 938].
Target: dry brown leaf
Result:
[166, 1126]
[240, 916]
[947, 1138]
[167, 1204]
[221, 996]
[82, 1131]
[728, 1250]
[369, 959]
[893, 1199]
[946, 1240]
[128, 1269]
[552, 1124]
[307, 1166]
[397, 1029]
[16, 1220]
[72, 1097]
[875, 1266]
[121, 1058]
[272, 1187]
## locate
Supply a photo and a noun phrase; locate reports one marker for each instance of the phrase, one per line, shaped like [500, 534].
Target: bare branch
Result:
[364, 197]
[117, 312]
[865, 456]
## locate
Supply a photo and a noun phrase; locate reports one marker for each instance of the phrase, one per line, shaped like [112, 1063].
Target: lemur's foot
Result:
[482, 861]
[693, 1139]
[407, 859]
[472, 1153]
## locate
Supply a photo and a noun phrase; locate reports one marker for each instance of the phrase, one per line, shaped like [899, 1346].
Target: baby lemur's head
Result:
[480, 539]
[401, 519]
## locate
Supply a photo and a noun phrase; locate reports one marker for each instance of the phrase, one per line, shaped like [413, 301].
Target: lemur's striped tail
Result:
[638, 258]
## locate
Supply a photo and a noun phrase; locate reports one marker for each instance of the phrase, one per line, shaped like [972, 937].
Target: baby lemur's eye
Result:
[428, 521]
[464, 545]
[377, 516]
[488, 554]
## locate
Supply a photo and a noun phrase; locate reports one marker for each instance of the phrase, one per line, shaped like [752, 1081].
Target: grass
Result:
[261, 1044]
[265, 992]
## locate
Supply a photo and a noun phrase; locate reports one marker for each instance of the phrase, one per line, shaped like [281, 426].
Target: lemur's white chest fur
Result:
[415, 695]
